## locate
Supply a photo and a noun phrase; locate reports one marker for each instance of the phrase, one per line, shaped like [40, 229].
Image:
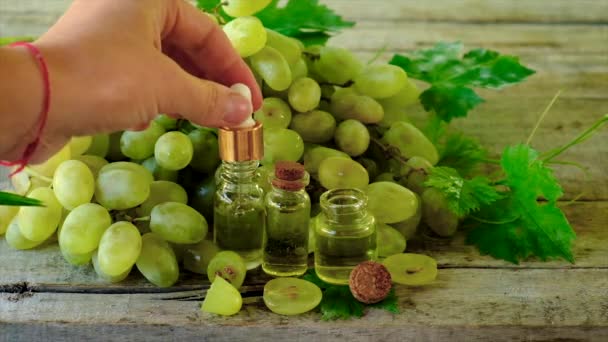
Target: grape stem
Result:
[389, 151]
[581, 138]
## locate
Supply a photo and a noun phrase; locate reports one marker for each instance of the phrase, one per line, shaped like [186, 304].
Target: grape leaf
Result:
[527, 222]
[389, 303]
[306, 20]
[7, 198]
[460, 152]
[463, 195]
[451, 77]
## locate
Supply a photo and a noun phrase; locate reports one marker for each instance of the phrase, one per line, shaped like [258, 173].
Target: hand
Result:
[115, 65]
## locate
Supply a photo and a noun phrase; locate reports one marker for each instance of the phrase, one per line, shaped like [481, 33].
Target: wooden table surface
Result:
[475, 298]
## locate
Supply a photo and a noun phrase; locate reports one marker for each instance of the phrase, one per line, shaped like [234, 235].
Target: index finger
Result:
[207, 48]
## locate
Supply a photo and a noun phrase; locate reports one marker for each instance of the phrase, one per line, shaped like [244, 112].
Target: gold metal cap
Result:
[241, 144]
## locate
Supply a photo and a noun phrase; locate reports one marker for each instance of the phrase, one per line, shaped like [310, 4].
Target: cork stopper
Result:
[289, 176]
[241, 144]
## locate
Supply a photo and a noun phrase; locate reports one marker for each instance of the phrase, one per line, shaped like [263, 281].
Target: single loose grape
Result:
[247, 35]
[157, 261]
[304, 94]
[411, 269]
[228, 265]
[291, 296]
[274, 113]
[119, 248]
[178, 223]
[340, 173]
[315, 127]
[73, 184]
[222, 298]
[161, 192]
[282, 144]
[352, 137]
[403, 202]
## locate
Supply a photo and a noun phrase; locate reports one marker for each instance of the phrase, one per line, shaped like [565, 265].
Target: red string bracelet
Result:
[46, 104]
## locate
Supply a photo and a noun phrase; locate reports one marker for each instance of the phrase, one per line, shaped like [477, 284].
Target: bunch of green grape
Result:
[145, 198]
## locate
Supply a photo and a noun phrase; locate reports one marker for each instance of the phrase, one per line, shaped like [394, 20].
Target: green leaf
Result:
[527, 222]
[463, 195]
[9, 199]
[389, 303]
[452, 77]
[461, 153]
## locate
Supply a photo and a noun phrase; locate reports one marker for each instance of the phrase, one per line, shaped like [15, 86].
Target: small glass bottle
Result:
[345, 235]
[239, 214]
[287, 217]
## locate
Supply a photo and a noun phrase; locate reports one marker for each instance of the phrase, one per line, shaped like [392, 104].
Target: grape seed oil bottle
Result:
[345, 235]
[238, 213]
[287, 218]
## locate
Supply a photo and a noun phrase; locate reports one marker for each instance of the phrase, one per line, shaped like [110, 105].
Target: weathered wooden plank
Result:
[501, 305]
[44, 268]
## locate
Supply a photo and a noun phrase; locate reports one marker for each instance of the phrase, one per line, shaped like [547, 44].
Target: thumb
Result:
[203, 102]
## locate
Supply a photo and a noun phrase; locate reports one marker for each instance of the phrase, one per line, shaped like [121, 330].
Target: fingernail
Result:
[238, 108]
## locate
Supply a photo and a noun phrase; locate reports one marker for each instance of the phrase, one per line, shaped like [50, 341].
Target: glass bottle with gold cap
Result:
[239, 214]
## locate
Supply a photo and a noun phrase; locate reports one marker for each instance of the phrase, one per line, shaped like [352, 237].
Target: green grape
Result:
[95, 163]
[409, 227]
[158, 172]
[139, 145]
[157, 261]
[39, 223]
[380, 80]
[304, 94]
[407, 96]
[337, 65]
[272, 67]
[243, 8]
[291, 296]
[7, 214]
[352, 137]
[228, 265]
[264, 175]
[385, 177]
[274, 113]
[197, 256]
[201, 197]
[371, 166]
[100, 145]
[77, 259]
[79, 145]
[48, 168]
[436, 213]
[123, 186]
[167, 122]
[16, 240]
[161, 192]
[178, 223]
[173, 150]
[105, 277]
[206, 151]
[411, 142]
[315, 127]
[73, 183]
[114, 152]
[392, 115]
[82, 229]
[315, 155]
[247, 35]
[299, 69]
[222, 298]
[347, 104]
[340, 173]
[389, 240]
[411, 269]
[414, 174]
[288, 47]
[402, 202]
[119, 248]
[281, 144]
